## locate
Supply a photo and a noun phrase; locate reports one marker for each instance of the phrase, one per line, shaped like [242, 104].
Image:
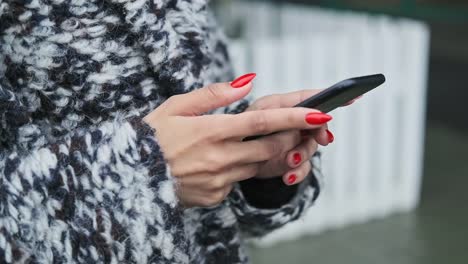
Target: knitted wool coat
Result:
[82, 178]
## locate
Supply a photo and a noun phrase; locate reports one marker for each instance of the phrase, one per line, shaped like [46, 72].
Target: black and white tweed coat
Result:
[82, 178]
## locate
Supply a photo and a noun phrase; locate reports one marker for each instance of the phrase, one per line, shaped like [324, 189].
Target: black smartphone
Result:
[339, 94]
[342, 92]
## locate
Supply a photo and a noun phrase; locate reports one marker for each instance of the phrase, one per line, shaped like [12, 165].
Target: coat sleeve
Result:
[261, 207]
[99, 194]
[159, 38]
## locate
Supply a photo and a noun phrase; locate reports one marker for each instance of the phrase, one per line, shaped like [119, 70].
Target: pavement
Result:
[437, 232]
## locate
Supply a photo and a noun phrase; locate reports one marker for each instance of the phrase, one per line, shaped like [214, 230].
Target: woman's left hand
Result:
[294, 165]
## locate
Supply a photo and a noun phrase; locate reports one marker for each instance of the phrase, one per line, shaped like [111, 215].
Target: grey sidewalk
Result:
[435, 233]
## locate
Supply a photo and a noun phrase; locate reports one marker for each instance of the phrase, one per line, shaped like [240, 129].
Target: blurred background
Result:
[397, 174]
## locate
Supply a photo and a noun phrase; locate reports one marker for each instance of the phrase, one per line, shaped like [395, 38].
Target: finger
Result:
[263, 149]
[264, 122]
[352, 101]
[321, 136]
[200, 197]
[218, 181]
[301, 153]
[240, 173]
[283, 100]
[297, 175]
[209, 97]
[307, 133]
[227, 190]
[330, 136]
[324, 136]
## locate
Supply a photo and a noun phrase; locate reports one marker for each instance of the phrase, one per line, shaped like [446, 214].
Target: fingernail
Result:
[297, 158]
[243, 80]
[292, 178]
[331, 138]
[317, 118]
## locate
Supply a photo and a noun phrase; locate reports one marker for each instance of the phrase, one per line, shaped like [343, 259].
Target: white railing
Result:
[374, 166]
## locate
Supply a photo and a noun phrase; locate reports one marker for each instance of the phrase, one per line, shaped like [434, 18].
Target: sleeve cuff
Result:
[267, 193]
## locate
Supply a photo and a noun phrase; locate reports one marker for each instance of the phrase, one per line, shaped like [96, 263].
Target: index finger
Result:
[283, 100]
[288, 100]
[264, 122]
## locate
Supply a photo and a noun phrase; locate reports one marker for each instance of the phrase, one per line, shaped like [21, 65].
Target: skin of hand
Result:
[206, 153]
[293, 165]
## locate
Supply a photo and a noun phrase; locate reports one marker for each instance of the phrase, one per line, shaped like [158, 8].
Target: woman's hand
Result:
[292, 165]
[206, 153]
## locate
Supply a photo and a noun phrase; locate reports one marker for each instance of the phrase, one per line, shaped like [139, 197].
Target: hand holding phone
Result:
[339, 94]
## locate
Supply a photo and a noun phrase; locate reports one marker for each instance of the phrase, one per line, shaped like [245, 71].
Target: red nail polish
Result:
[317, 118]
[297, 158]
[331, 138]
[292, 178]
[243, 80]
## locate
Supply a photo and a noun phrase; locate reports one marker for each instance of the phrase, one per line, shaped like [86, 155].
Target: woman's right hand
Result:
[206, 153]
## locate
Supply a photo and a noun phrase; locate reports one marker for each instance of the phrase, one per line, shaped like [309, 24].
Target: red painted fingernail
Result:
[317, 118]
[297, 158]
[331, 138]
[292, 178]
[243, 80]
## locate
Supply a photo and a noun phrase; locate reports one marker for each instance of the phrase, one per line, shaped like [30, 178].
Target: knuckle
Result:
[207, 202]
[217, 183]
[297, 138]
[227, 190]
[311, 148]
[218, 196]
[259, 104]
[216, 131]
[305, 154]
[274, 148]
[214, 161]
[214, 92]
[213, 199]
[260, 123]
[291, 118]
[314, 147]
[265, 102]
[212, 135]
[306, 170]
[289, 139]
[253, 169]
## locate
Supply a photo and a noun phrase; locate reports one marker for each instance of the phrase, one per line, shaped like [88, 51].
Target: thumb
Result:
[211, 97]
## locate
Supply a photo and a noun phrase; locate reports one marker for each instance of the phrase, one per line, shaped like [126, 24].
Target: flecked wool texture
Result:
[82, 177]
